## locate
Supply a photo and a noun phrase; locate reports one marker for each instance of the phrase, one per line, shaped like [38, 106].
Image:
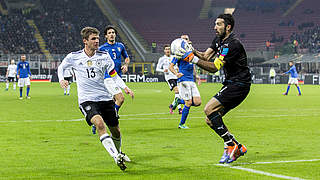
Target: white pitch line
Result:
[277, 162]
[260, 172]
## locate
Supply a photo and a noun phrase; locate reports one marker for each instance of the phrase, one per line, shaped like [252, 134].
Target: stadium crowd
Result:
[309, 39]
[59, 23]
[16, 35]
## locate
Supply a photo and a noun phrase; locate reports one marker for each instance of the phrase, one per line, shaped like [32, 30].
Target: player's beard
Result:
[223, 35]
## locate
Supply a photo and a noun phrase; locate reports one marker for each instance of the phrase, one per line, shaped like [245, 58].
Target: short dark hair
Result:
[87, 31]
[291, 62]
[228, 20]
[166, 45]
[110, 27]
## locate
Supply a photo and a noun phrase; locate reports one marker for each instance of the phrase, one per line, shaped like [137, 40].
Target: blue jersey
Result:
[115, 50]
[23, 69]
[293, 72]
[185, 68]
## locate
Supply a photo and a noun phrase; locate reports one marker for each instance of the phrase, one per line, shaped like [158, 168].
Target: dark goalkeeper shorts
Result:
[231, 95]
[105, 109]
[172, 83]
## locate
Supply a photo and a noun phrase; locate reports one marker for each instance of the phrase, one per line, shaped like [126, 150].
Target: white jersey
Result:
[12, 70]
[164, 63]
[68, 72]
[90, 74]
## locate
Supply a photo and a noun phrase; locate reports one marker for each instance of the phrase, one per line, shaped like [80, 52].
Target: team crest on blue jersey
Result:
[119, 49]
[89, 63]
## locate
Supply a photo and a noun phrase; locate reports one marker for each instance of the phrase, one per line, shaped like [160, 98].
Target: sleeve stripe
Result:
[113, 73]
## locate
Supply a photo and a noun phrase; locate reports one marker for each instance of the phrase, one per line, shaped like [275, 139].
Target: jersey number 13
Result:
[91, 73]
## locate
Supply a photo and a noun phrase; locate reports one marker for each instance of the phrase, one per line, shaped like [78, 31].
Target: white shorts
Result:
[293, 81]
[188, 89]
[23, 82]
[112, 87]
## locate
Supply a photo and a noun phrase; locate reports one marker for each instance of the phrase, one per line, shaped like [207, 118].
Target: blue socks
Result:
[288, 89]
[299, 90]
[28, 90]
[184, 115]
[20, 92]
[117, 107]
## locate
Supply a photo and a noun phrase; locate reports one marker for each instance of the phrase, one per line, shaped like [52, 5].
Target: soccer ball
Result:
[179, 46]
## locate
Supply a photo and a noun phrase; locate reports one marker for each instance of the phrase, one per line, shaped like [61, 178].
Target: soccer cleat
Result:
[224, 157]
[125, 157]
[183, 126]
[180, 111]
[68, 94]
[64, 94]
[171, 110]
[299, 94]
[20, 98]
[240, 152]
[119, 159]
[94, 129]
[28, 97]
[228, 153]
[6, 89]
[284, 94]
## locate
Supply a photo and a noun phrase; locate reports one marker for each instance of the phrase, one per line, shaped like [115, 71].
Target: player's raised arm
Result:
[207, 55]
[212, 67]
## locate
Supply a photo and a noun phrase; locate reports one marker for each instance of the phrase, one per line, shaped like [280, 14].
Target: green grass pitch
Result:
[43, 138]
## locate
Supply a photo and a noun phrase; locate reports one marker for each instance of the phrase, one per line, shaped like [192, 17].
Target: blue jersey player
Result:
[23, 75]
[293, 79]
[116, 51]
[187, 87]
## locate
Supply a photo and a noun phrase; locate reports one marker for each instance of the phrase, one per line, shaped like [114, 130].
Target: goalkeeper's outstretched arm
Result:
[209, 66]
[207, 55]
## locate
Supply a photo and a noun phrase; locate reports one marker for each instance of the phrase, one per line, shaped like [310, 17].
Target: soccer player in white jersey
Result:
[11, 75]
[95, 102]
[163, 66]
[68, 75]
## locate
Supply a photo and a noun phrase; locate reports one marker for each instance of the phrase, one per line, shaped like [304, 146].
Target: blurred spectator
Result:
[268, 44]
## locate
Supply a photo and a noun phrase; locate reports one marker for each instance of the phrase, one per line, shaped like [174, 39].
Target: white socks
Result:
[68, 89]
[109, 145]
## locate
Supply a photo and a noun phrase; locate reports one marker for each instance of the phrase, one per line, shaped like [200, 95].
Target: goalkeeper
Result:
[229, 54]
